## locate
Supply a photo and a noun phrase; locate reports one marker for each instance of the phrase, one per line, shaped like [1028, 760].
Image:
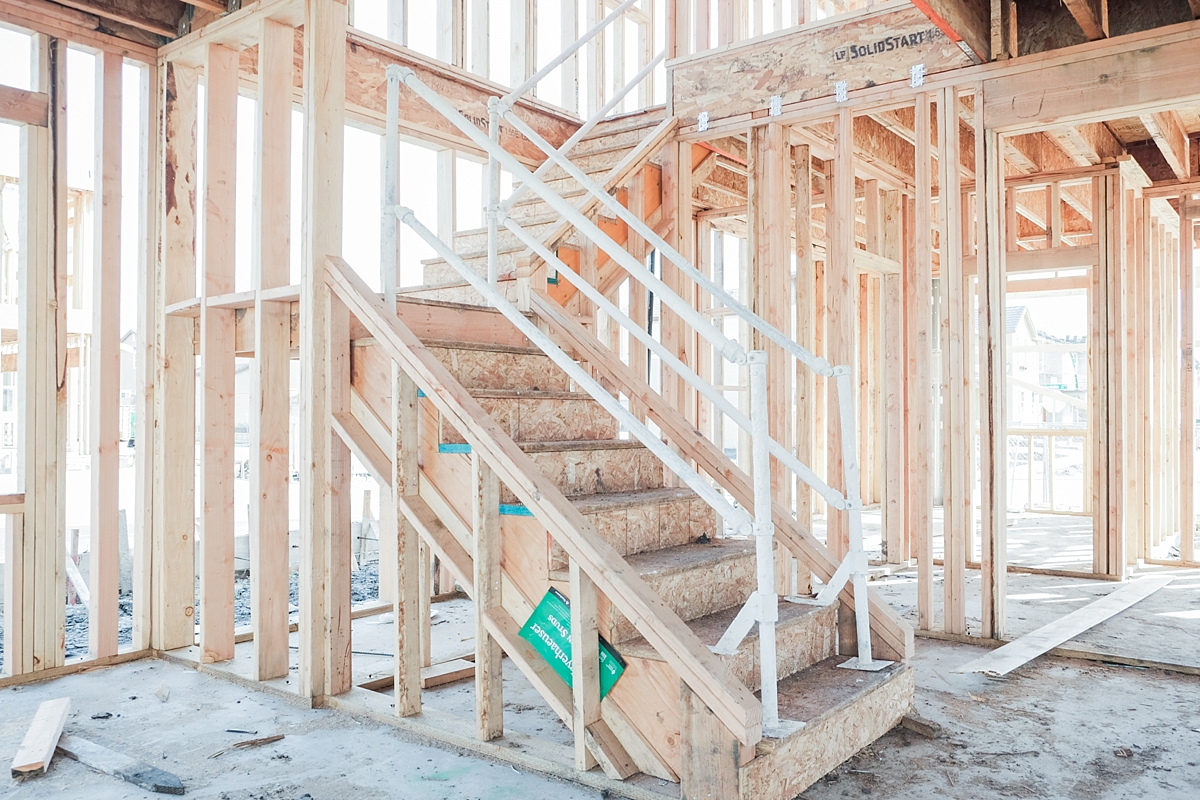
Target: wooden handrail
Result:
[697, 667]
[895, 635]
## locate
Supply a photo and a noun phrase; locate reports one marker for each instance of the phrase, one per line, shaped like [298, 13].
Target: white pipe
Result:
[816, 363]
[740, 519]
[831, 495]
[533, 80]
[729, 348]
[578, 135]
[862, 616]
[764, 541]
[493, 233]
[388, 265]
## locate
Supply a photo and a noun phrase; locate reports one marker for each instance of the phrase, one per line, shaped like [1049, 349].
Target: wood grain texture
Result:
[37, 748]
[864, 51]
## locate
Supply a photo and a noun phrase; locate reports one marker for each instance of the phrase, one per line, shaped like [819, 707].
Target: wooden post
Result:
[270, 393]
[104, 577]
[217, 329]
[894, 502]
[447, 189]
[321, 631]
[569, 75]
[805, 324]
[993, 434]
[585, 663]
[409, 607]
[957, 470]
[521, 46]
[174, 560]
[770, 273]
[1187, 386]
[918, 287]
[489, 665]
[709, 753]
[841, 296]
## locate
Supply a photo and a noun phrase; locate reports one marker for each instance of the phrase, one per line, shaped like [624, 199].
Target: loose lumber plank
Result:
[1004, 660]
[104, 565]
[37, 748]
[102, 759]
[270, 395]
[217, 399]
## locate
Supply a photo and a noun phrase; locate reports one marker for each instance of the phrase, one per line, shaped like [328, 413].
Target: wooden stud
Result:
[1187, 387]
[270, 392]
[397, 18]
[173, 548]
[569, 72]
[489, 665]
[104, 577]
[957, 470]
[217, 358]
[918, 287]
[993, 432]
[585, 663]
[894, 501]
[324, 119]
[770, 275]
[805, 304]
[709, 753]
[447, 191]
[407, 590]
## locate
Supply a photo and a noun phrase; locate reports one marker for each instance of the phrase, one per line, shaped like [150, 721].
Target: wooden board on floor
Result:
[1012, 655]
[120, 766]
[37, 748]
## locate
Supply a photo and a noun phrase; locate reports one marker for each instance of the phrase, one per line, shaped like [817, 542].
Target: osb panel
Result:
[800, 66]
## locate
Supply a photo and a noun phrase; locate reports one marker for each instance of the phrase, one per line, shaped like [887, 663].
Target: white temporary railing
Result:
[762, 608]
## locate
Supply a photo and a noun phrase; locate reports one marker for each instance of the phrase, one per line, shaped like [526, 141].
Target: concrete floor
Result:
[1051, 729]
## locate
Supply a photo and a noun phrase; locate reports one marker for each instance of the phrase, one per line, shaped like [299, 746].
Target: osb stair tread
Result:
[689, 556]
[825, 689]
[711, 628]
[599, 503]
[487, 347]
[530, 394]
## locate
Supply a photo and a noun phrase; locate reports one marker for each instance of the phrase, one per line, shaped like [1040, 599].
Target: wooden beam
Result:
[153, 17]
[22, 107]
[217, 358]
[894, 501]
[324, 118]
[173, 584]
[104, 570]
[1172, 139]
[270, 394]
[1187, 384]
[489, 665]
[967, 23]
[1195, 5]
[1092, 16]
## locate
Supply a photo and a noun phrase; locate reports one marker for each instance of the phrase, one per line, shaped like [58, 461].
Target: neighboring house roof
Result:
[1012, 317]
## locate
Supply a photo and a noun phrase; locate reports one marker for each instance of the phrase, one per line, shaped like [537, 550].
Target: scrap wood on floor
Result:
[1004, 660]
[120, 766]
[37, 748]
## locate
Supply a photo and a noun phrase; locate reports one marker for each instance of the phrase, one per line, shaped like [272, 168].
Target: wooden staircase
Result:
[670, 579]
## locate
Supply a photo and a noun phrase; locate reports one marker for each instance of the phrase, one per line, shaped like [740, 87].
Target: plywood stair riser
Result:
[805, 635]
[638, 522]
[502, 369]
[694, 580]
[595, 470]
[542, 417]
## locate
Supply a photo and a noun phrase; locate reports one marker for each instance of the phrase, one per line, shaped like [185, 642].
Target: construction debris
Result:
[921, 726]
[248, 743]
[120, 766]
[37, 748]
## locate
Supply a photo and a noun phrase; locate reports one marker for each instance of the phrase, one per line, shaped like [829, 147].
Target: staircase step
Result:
[592, 467]
[482, 366]
[804, 635]
[694, 580]
[534, 416]
[644, 520]
[843, 711]
[457, 292]
[612, 128]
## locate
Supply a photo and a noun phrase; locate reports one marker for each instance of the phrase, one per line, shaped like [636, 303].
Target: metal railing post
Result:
[764, 540]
